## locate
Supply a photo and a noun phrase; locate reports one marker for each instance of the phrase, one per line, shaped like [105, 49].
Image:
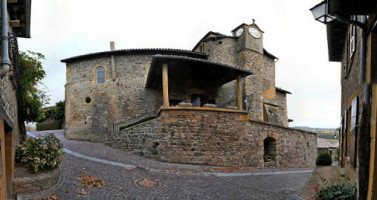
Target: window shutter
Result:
[353, 130]
[345, 60]
[354, 115]
[345, 134]
[352, 37]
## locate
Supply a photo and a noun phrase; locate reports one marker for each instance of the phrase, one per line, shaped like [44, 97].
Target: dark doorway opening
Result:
[270, 149]
[197, 100]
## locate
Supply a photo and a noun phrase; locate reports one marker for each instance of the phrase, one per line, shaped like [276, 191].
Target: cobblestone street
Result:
[106, 163]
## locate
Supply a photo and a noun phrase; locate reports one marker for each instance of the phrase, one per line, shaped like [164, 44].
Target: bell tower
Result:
[249, 37]
[250, 56]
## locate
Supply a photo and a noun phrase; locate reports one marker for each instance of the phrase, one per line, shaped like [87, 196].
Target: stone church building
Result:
[216, 104]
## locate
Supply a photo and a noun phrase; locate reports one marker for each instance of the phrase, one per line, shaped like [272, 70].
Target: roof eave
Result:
[137, 51]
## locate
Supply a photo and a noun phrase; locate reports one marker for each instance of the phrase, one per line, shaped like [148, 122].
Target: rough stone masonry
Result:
[217, 104]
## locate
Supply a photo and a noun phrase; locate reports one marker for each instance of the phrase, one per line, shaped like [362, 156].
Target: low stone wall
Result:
[35, 182]
[217, 137]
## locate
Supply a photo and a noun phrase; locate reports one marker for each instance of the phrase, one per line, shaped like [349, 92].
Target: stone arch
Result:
[270, 147]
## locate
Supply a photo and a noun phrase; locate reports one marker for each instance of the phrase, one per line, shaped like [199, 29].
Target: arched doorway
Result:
[270, 151]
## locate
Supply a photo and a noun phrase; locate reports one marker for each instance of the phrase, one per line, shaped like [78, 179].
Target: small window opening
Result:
[88, 100]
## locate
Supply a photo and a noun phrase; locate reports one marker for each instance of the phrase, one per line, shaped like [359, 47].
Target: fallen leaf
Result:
[82, 191]
[120, 188]
[88, 181]
[129, 169]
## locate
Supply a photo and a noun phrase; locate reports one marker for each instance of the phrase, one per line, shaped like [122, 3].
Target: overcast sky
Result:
[65, 28]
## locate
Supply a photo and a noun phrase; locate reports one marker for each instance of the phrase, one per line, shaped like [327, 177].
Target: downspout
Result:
[5, 61]
[363, 66]
[371, 193]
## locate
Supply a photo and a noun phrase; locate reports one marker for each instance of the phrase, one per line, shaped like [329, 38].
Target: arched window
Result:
[100, 74]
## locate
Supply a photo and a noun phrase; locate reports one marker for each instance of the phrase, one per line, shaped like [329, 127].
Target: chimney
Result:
[112, 46]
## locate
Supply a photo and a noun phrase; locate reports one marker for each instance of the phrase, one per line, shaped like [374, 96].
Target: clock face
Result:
[239, 32]
[254, 32]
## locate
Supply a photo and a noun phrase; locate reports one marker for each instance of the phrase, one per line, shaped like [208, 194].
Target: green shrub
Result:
[154, 151]
[343, 191]
[323, 159]
[50, 126]
[40, 154]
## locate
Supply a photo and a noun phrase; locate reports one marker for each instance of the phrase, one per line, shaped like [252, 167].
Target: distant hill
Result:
[326, 133]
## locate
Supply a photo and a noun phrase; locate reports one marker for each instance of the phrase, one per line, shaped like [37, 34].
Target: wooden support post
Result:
[3, 177]
[165, 85]
[372, 185]
[239, 93]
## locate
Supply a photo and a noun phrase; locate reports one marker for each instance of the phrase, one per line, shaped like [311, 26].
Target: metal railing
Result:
[117, 126]
[14, 55]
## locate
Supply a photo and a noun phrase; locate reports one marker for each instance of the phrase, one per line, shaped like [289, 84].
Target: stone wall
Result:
[351, 88]
[8, 100]
[281, 99]
[9, 135]
[35, 182]
[93, 110]
[259, 88]
[216, 137]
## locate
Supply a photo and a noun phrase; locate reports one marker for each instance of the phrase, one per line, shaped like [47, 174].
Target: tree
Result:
[30, 96]
[56, 113]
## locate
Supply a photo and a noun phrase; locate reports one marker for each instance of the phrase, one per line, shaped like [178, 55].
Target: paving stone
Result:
[171, 186]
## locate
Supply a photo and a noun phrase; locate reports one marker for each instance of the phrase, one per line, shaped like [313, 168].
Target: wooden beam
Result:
[239, 93]
[12, 1]
[165, 85]
[14, 23]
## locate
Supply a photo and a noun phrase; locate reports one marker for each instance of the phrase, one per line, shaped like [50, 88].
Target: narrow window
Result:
[353, 130]
[202, 47]
[345, 60]
[352, 37]
[345, 133]
[100, 74]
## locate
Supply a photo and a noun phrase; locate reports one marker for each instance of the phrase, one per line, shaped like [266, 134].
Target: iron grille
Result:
[14, 57]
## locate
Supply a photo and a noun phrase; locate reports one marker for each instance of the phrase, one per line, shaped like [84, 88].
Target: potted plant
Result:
[267, 158]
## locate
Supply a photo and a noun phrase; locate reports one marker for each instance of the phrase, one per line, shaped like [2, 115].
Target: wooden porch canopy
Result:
[205, 74]
[202, 74]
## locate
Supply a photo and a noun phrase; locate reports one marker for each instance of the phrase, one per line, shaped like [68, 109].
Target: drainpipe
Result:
[113, 66]
[363, 66]
[5, 62]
